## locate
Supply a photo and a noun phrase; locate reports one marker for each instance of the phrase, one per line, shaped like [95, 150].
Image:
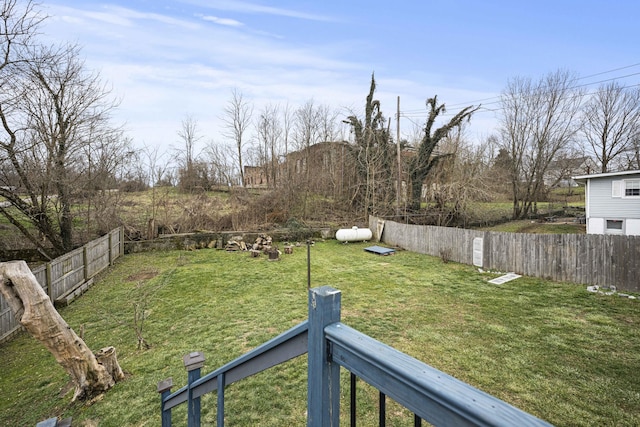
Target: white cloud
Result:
[148, 16]
[222, 21]
[253, 8]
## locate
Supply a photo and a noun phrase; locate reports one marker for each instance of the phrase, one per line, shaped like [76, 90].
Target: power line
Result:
[495, 99]
[483, 108]
[577, 95]
[582, 78]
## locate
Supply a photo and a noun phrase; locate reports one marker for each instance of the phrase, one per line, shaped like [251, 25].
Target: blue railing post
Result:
[323, 391]
[193, 362]
[221, 385]
[164, 388]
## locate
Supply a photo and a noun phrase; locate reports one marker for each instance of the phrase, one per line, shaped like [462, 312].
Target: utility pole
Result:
[399, 184]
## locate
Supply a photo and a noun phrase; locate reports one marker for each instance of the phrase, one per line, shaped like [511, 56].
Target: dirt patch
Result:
[530, 228]
[142, 275]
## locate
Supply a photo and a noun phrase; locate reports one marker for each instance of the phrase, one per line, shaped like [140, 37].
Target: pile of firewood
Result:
[263, 243]
[236, 244]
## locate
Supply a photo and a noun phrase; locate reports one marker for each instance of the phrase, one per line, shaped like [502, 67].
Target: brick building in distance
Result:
[327, 167]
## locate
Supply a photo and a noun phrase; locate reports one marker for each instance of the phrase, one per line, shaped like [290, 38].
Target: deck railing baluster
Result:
[220, 414]
[353, 399]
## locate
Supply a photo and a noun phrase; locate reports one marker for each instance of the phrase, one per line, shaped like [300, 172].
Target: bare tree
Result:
[539, 120]
[18, 26]
[188, 135]
[51, 111]
[611, 122]
[155, 168]
[237, 119]
[633, 154]
[288, 118]
[221, 161]
[427, 155]
[189, 169]
[459, 179]
[306, 133]
[329, 128]
[269, 135]
[102, 163]
[287, 183]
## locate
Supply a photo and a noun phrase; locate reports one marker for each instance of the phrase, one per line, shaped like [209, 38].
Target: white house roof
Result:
[583, 178]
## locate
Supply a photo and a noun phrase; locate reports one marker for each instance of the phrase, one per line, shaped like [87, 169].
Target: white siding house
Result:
[612, 202]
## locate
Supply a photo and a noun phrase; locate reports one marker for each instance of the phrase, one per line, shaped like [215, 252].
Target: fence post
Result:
[111, 247]
[121, 245]
[85, 261]
[323, 395]
[164, 388]
[49, 280]
[193, 362]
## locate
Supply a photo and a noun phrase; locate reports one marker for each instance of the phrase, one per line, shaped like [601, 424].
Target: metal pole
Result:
[399, 155]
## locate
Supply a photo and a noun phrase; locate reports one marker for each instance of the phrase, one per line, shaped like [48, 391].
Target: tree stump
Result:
[254, 253]
[33, 309]
[274, 254]
[107, 357]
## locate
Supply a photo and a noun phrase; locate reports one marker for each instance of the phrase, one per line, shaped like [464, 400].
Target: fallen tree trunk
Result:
[33, 309]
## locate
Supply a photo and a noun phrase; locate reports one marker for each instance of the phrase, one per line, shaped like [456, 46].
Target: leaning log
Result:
[33, 309]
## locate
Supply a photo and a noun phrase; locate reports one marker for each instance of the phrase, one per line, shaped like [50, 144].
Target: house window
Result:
[614, 226]
[632, 188]
[625, 188]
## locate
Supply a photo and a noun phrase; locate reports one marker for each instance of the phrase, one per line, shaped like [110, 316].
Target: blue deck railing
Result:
[431, 395]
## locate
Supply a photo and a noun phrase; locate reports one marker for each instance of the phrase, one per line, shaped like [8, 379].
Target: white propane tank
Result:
[353, 234]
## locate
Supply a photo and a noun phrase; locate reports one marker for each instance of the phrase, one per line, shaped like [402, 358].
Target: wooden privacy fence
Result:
[591, 259]
[68, 276]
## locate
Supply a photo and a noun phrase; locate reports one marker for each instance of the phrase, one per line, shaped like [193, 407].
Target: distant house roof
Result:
[569, 163]
[583, 178]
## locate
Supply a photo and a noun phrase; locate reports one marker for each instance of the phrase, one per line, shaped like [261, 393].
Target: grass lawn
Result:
[567, 226]
[552, 349]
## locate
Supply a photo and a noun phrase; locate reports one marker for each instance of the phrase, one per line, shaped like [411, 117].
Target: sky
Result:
[168, 60]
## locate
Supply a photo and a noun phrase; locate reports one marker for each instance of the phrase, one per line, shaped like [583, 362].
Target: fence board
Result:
[8, 323]
[97, 255]
[591, 259]
[66, 272]
[117, 244]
